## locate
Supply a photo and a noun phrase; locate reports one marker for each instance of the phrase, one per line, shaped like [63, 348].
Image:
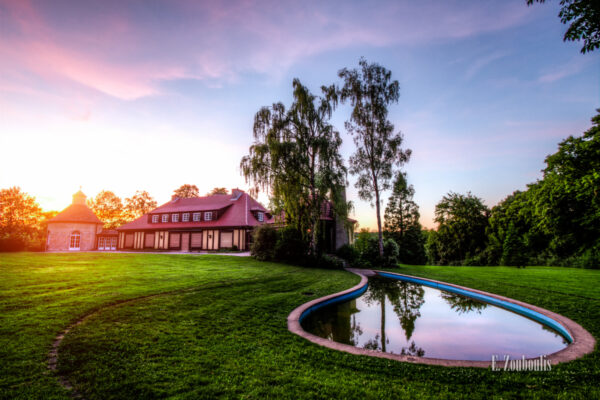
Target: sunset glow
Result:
[127, 96]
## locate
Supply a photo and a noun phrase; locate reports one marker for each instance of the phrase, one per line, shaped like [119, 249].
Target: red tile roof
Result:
[76, 213]
[233, 212]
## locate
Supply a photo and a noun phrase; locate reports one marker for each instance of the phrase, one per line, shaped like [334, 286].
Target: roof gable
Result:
[76, 213]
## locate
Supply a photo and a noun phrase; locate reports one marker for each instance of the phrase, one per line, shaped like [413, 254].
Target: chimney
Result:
[79, 198]
[236, 194]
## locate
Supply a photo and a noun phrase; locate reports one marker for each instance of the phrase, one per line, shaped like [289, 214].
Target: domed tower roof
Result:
[78, 211]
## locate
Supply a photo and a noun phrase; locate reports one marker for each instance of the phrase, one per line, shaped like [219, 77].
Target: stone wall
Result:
[59, 235]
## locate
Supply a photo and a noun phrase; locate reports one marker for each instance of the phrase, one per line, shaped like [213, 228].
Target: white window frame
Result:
[208, 216]
[174, 217]
[185, 217]
[155, 219]
[197, 216]
[75, 240]
[260, 216]
[165, 218]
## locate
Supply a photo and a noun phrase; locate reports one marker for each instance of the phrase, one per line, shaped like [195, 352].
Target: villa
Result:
[209, 223]
[198, 223]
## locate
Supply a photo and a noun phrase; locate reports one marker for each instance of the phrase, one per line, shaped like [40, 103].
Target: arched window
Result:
[75, 238]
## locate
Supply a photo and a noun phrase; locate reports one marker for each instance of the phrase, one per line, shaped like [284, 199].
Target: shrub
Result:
[368, 249]
[290, 245]
[263, 244]
[348, 253]
[329, 262]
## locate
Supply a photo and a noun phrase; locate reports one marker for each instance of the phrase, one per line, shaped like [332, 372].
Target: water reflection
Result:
[462, 304]
[406, 318]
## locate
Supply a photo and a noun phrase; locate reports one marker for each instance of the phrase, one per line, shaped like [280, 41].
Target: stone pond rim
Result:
[581, 341]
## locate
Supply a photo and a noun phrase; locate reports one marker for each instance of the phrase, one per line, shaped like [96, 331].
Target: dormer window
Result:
[208, 216]
[154, 219]
[185, 217]
[196, 217]
[174, 217]
[260, 216]
[165, 218]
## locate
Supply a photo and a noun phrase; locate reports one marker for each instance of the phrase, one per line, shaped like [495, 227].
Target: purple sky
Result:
[127, 95]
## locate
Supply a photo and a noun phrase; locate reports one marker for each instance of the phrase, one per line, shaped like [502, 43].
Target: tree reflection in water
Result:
[462, 304]
[406, 299]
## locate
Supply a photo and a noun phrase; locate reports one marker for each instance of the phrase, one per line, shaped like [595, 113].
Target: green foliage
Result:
[585, 25]
[108, 207]
[139, 204]
[217, 190]
[460, 235]
[379, 152]
[264, 239]
[290, 245]
[367, 246]
[349, 253]
[21, 221]
[402, 223]
[556, 221]
[295, 157]
[287, 245]
[186, 191]
[327, 261]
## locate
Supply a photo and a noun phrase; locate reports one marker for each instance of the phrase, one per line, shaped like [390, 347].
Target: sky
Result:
[149, 95]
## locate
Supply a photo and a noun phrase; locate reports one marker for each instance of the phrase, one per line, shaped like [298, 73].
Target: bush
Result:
[12, 243]
[348, 253]
[368, 248]
[290, 245]
[263, 244]
[329, 262]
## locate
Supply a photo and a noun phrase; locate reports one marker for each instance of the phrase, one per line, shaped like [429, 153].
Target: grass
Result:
[220, 331]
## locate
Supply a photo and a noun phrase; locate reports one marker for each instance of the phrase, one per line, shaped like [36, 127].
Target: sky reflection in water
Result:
[406, 318]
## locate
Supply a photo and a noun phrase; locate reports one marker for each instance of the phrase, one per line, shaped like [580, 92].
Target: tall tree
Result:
[186, 191]
[402, 222]
[584, 16]
[20, 216]
[295, 157]
[108, 207]
[217, 190]
[378, 149]
[462, 220]
[139, 204]
[567, 199]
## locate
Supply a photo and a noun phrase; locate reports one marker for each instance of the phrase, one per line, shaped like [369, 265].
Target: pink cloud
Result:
[126, 50]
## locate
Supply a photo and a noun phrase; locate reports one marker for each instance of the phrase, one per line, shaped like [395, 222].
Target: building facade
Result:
[76, 228]
[220, 221]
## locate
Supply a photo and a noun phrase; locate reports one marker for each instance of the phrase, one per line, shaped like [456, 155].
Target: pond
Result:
[400, 317]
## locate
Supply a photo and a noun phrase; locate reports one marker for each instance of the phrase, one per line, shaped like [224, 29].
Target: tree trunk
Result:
[383, 339]
[378, 209]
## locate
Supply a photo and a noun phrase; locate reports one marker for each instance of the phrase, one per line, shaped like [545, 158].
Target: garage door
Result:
[149, 239]
[196, 240]
[226, 239]
[129, 240]
[174, 240]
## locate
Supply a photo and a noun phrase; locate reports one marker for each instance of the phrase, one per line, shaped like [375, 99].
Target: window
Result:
[208, 216]
[75, 239]
[154, 219]
[196, 217]
[260, 216]
[185, 217]
[175, 218]
[165, 218]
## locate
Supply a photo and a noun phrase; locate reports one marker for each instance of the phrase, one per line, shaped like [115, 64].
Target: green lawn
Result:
[219, 330]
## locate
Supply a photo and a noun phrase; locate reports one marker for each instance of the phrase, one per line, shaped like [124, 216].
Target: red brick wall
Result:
[59, 235]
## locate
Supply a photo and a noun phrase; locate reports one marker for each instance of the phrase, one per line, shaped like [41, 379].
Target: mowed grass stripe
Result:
[232, 342]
